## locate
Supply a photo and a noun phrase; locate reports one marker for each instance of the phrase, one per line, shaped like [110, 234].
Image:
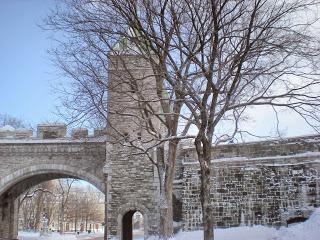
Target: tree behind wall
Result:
[46, 198]
[6, 119]
[34, 203]
[65, 186]
[223, 57]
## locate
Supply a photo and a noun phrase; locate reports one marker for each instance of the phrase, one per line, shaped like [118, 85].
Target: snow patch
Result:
[58, 236]
[7, 128]
[308, 230]
[234, 159]
[56, 140]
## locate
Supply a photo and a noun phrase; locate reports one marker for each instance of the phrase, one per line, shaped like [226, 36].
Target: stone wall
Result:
[268, 183]
[8, 216]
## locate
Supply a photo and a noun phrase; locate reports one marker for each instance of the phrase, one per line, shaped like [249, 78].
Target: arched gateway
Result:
[126, 179]
[26, 163]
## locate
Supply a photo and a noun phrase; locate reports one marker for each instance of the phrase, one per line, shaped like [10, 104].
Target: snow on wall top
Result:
[289, 150]
[6, 128]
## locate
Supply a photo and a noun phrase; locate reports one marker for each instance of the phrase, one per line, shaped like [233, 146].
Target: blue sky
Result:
[25, 68]
[26, 71]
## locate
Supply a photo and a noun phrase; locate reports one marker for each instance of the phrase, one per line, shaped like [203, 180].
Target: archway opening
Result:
[51, 205]
[133, 225]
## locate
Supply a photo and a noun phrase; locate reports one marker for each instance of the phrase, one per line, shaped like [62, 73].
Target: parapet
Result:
[49, 131]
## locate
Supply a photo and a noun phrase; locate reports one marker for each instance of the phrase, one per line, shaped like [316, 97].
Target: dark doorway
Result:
[296, 220]
[132, 225]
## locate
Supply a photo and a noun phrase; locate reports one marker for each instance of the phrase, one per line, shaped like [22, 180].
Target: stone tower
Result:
[132, 178]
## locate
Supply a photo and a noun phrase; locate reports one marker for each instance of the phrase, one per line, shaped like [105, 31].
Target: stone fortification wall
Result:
[269, 183]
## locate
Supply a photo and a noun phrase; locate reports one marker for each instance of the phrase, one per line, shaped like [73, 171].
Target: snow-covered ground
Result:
[309, 230]
[57, 236]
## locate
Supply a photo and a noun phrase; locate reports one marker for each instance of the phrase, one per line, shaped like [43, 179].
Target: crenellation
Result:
[10, 132]
[100, 132]
[79, 133]
[51, 131]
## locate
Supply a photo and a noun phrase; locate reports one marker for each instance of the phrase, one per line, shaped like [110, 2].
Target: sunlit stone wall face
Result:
[267, 195]
[252, 184]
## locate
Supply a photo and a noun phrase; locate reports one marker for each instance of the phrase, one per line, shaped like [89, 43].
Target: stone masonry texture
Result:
[269, 183]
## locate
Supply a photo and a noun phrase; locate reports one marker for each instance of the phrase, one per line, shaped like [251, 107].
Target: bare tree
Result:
[153, 108]
[73, 213]
[65, 188]
[6, 119]
[213, 59]
[63, 202]
[85, 205]
[33, 203]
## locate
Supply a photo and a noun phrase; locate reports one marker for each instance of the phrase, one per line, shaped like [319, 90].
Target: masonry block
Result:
[51, 131]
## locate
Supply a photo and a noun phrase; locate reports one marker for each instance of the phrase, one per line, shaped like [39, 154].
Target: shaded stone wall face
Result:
[254, 187]
[132, 188]
[8, 215]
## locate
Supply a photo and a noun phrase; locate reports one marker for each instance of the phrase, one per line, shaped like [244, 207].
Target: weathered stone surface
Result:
[79, 133]
[133, 179]
[50, 131]
[15, 133]
[255, 183]
[99, 132]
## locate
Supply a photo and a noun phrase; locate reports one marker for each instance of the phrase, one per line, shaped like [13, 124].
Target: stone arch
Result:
[30, 171]
[15, 183]
[130, 208]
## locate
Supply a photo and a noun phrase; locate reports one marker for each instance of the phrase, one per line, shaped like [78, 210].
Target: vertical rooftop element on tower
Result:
[51, 131]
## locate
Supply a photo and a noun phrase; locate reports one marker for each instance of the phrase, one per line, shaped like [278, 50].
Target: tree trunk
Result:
[204, 157]
[39, 205]
[75, 222]
[62, 215]
[207, 212]
[166, 218]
